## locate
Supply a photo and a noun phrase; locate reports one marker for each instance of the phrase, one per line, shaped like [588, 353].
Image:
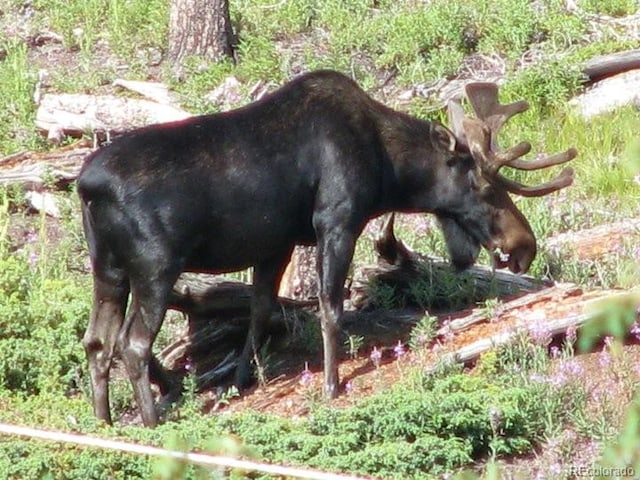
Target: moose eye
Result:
[487, 190]
[462, 162]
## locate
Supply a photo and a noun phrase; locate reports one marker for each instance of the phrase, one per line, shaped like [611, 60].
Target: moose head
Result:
[495, 222]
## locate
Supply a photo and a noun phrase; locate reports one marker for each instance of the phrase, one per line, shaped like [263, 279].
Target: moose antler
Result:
[481, 133]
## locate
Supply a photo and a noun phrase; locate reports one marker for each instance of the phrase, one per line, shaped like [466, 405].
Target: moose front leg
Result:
[335, 250]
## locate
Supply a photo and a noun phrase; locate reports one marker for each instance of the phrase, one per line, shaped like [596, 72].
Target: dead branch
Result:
[555, 294]
[553, 327]
[157, 92]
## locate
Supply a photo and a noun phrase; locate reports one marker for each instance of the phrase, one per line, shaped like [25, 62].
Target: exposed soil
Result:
[287, 395]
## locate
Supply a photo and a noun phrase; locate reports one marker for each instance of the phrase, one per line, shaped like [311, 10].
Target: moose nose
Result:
[520, 259]
[517, 258]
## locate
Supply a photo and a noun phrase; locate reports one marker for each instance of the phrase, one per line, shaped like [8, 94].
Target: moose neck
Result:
[412, 158]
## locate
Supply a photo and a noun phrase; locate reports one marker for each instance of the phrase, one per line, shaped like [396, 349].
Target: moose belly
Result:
[235, 245]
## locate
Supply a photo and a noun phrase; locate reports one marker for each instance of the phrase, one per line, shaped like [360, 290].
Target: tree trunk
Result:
[201, 28]
[299, 280]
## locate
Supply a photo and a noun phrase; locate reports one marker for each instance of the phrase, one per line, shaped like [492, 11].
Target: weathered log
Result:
[553, 328]
[155, 91]
[219, 309]
[76, 114]
[555, 294]
[401, 268]
[33, 170]
[611, 64]
[596, 243]
[609, 94]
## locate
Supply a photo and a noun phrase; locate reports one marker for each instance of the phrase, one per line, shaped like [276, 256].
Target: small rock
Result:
[227, 93]
[43, 202]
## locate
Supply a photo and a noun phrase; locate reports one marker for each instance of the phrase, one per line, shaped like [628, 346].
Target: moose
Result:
[310, 163]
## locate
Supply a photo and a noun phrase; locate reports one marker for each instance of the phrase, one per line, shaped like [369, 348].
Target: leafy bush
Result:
[406, 432]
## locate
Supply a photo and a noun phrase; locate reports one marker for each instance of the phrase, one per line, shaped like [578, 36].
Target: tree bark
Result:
[299, 280]
[199, 28]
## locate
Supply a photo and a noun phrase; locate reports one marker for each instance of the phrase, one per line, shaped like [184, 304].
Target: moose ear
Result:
[443, 137]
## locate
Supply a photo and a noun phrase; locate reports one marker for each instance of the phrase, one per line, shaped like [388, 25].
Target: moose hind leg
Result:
[144, 319]
[107, 316]
[266, 279]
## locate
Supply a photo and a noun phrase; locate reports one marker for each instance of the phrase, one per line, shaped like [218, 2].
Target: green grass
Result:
[17, 82]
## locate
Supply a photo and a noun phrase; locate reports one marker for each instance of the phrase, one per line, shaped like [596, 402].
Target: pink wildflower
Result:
[376, 356]
[399, 350]
[306, 376]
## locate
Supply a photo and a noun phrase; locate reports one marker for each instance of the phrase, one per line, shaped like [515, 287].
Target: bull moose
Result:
[310, 163]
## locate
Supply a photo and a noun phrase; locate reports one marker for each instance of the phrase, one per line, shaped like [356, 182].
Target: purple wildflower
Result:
[306, 376]
[571, 368]
[447, 330]
[604, 358]
[556, 468]
[33, 259]
[32, 237]
[539, 330]
[376, 356]
[558, 380]
[555, 352]
[635, 330]
[399, 350]
[596, 395]
[572, 334]
[188, 366]
[349, 387]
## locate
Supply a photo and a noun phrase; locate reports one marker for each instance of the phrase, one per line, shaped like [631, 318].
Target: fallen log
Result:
[611, 64]
[555, 294]
[158, 92]
[218, 309]
[34, 170]
[553, 328]
[401, 269]
[596, 243]
[76, 114]
[608, 94]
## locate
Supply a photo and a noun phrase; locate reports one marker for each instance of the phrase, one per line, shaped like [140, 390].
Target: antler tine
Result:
[456, 117]
[564, 179]
[483, 97]
[478, 135]
[550, 161]
[481, 136]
